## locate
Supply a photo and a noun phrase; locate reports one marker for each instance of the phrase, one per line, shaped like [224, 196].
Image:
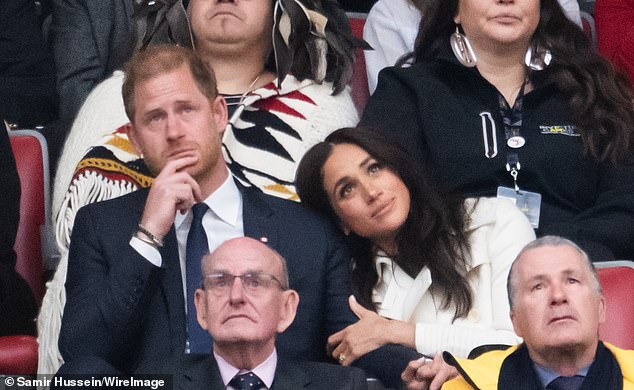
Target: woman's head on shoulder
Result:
[373, 189]
[358, 178]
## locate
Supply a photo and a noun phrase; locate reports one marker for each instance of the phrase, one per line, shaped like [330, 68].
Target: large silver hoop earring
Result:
[462, 49]
[537, 57]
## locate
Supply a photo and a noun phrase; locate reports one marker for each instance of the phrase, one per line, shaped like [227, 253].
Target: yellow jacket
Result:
[485, 369]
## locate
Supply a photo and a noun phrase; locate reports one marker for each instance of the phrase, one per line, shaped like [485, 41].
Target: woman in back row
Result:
[508, 98]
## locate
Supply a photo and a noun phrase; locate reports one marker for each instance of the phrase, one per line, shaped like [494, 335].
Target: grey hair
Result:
[511, 281]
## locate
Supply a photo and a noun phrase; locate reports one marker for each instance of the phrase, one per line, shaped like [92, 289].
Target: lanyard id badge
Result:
[528, 202]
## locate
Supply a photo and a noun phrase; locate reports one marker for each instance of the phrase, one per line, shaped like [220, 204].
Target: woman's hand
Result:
[369, 333]
[425, 374]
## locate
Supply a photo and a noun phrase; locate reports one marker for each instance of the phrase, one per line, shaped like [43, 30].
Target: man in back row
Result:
[557, 306]
[244, 302]
[134, 261]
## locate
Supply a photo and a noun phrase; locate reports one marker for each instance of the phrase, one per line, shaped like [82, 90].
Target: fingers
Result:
[446, 372]
[412, 375]
[356, 308]
[172, 190]
[410, 371]
[178, 164]
[336, 339]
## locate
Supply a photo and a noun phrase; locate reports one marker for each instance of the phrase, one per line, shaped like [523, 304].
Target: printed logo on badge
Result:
[569, 130]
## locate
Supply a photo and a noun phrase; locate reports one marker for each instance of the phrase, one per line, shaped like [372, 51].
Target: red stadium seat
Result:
[617, 279]
[18, 354]
[359, 82]
[31, 157]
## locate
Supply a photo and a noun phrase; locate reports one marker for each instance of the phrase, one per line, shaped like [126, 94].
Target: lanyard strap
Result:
[512, 120]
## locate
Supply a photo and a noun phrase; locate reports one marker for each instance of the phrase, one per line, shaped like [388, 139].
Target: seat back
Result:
[31, 158]
[617, 279]
[359, 82]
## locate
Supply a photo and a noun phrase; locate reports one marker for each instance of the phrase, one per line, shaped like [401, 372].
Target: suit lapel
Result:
[289, 377]
[200, 373]
[257, 217]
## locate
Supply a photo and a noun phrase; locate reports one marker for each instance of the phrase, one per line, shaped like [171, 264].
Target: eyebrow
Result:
[363, 163]
[152, 112]
[540, 277]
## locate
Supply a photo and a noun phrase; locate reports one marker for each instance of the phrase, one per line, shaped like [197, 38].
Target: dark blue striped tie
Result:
[197, 247]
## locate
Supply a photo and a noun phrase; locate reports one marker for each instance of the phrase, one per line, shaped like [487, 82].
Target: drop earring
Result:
[462, 49]
[537, 57]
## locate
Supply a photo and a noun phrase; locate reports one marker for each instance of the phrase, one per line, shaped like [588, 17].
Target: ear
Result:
[602, 310]
[288, 309]
[200, 301]
[219, 111]
[516, 325]
[133, 136]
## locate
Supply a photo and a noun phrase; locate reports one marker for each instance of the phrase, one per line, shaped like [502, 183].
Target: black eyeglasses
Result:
[220, 283]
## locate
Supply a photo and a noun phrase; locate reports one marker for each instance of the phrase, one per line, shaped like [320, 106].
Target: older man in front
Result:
[244, 302]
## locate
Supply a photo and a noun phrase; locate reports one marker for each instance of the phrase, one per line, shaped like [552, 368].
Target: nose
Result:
[175, 128]
[558, 294]
[372, 192]
[236, 294]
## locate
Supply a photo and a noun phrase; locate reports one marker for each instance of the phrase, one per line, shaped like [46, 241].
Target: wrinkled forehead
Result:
[242, 257]
[549, 262]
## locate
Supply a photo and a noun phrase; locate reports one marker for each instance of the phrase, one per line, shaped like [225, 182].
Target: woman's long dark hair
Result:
[433, 235]
[601, 99]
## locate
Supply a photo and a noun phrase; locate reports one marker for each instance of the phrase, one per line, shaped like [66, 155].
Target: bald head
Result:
[247, 250]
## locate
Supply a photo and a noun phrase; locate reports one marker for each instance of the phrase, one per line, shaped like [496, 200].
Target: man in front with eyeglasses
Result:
[245, 300]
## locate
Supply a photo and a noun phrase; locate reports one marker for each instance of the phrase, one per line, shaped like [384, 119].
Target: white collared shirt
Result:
[221, 222]
[265, 371]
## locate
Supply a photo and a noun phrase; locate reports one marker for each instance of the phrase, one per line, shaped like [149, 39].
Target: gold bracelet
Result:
[155, 241]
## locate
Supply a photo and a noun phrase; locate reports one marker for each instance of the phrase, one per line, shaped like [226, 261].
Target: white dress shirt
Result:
[222, 222]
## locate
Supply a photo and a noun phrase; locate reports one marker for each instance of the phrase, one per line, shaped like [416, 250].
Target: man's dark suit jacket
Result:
[201, 372]
[128, 312]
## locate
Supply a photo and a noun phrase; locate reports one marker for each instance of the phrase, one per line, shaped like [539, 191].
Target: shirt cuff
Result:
[146, 250]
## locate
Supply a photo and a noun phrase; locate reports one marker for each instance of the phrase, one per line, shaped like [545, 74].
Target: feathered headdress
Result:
[161, 21]
[312, 40]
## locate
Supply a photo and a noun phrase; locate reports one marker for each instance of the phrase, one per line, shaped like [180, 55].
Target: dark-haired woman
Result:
[510, 98]
[433, 267]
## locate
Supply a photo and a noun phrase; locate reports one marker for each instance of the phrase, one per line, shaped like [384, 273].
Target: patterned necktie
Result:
[247, 381]
[197, 247]
[566, 383]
